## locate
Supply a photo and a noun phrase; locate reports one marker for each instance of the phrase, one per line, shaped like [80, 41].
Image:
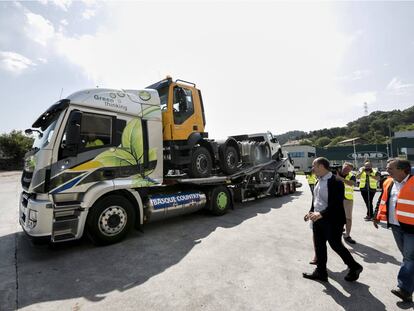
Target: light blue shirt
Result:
[320, 193]
[395, 190]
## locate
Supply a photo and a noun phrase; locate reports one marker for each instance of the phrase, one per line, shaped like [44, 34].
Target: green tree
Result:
[322, 141]
[14, 145]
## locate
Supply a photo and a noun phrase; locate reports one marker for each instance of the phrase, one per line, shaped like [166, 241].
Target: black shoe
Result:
[405, 296]
[367, 218]
[349, 240]
[353, 274]
[315, 275]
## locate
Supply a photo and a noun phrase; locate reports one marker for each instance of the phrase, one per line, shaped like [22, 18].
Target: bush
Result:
[13, 146]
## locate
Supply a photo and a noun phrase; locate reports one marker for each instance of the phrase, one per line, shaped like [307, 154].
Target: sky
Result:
[277, 66]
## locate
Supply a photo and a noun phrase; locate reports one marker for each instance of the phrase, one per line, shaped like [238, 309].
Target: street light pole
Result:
[389, 133]
[355, 155]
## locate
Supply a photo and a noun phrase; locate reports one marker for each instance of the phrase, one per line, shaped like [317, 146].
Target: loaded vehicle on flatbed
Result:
[107, 160]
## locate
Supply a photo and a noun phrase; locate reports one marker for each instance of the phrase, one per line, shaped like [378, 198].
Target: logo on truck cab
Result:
[110, 102]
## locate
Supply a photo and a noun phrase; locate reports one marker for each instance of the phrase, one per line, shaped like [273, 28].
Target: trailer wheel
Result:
[200, 165]
[110, 219]
[219, 200]
[293, 187]
[231, 160]
[280, 190]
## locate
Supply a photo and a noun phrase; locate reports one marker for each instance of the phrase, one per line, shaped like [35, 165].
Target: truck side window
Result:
[163, 93]
[183, 106]
[96, 131]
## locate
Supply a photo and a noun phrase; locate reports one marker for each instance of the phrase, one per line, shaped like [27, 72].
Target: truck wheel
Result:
[110, 219]
[255, 154]
[266, 153]
[231, 160]
[219, 201]
[200, 165]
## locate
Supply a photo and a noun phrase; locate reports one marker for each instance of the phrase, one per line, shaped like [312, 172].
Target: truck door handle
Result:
[195, 127]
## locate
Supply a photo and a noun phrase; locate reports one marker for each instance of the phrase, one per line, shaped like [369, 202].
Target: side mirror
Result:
[73, 134]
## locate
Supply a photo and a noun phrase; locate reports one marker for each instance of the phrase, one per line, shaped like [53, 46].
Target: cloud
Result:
[42, 60]
[64, 22]
[397, 87]
[278, 65]
[14, 62]
[356, 75]
[38, 28]
[88, 13]
[62, 4]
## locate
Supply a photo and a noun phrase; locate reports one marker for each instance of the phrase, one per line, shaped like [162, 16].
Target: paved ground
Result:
[250, 259]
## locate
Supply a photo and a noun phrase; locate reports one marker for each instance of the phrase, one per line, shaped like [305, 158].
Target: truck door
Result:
[186, 116]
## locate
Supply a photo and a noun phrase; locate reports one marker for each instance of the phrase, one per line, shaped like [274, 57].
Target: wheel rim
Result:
[231, 160]
[222, 200]
[202, 163]
[112, 220]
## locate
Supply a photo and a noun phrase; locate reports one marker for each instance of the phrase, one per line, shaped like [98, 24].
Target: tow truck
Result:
[108, 160]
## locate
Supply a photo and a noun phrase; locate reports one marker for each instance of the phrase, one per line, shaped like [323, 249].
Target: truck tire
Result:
[266, 153]
[110, 219]
[230, 160]
[219, 201]
[201, 164]
[255, 154]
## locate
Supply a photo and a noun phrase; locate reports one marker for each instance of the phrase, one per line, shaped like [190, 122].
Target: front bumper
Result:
[35, 216]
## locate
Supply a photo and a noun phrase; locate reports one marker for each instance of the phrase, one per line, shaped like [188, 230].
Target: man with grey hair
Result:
[396, 207]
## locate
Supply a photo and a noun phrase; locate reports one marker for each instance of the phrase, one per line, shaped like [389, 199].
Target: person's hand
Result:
[314, 216]
[375, 223]
[306, 217]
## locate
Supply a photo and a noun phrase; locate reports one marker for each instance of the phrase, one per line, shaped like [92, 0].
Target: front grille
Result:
[26, 179]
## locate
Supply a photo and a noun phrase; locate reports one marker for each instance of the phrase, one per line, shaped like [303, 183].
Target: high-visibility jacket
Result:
[404, 209]
[349, 190]
[95, 143]
[372, 180]
[311, 179]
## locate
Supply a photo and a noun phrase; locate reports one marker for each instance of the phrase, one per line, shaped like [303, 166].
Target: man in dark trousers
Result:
[328, 217]
[368, 179]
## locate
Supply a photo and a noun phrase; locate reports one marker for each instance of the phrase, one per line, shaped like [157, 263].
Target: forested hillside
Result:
[375, 128]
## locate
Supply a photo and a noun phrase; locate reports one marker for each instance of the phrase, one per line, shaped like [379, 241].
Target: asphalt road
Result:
[249, 259]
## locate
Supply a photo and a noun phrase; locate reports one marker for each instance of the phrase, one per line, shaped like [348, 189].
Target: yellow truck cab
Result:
[186, 144]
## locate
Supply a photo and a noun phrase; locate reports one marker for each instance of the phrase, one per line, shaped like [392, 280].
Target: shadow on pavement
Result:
[372, 255]
[79, 269]
[360, 298]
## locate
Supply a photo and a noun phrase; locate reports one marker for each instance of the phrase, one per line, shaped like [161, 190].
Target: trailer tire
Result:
[280, 190]
[110, 219]
[293, 187]
[219, 201]
[201, 163]
[230, 160]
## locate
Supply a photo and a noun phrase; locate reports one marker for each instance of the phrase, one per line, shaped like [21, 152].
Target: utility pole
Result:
[389, 133]
[355, 155]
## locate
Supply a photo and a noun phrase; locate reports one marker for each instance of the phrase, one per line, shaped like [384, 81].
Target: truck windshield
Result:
[42, 140]
[47, 122]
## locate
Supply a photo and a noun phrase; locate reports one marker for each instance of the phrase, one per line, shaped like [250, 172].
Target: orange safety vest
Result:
[404, 209]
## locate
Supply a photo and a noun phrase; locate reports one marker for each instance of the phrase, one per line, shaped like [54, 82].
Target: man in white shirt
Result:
[328, 216]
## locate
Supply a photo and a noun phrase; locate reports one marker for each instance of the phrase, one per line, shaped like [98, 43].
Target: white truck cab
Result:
[93, 142]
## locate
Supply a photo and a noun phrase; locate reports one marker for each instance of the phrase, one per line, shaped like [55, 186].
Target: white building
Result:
[302, 155]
